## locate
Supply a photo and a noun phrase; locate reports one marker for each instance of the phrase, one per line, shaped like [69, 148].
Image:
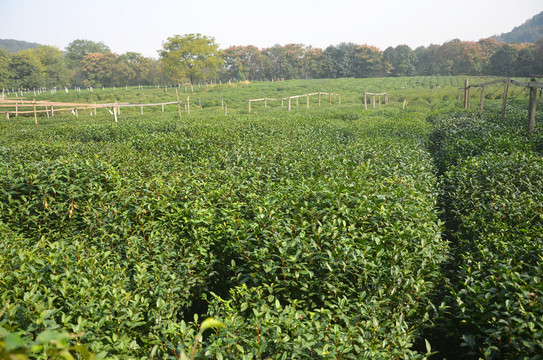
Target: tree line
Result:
[195, 58]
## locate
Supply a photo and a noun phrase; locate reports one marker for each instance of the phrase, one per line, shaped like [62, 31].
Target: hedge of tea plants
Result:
[492, 200]
[309, 234]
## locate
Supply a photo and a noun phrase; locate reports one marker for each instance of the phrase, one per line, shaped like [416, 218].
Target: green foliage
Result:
[25, 70]
[78, 49]
[48, 344]
[193, 56]
[305, 233]
[491, 200]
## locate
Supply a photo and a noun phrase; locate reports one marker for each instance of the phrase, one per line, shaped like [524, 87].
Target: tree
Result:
[538, 57]
[314, 65]
[235, 64]
[368, 62]
[135, 69]
[78, 49]
[399, 61]
[55, 70]
[192, 56]
[525, 62]
[26, 70]
[503, 60]
[487, 47]
[4, 68]
[339, 60]
[99, 69]
[276, 64]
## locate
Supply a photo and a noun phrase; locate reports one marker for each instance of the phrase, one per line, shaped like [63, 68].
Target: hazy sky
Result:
[141, 26]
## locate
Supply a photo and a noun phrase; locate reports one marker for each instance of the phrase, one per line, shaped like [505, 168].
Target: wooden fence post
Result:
[249, 106]
[466, 93]
[178, 104]
[365, 101]
[532, 108]
[289, 103]
[504, 103]
[481, 103]
[307, 101]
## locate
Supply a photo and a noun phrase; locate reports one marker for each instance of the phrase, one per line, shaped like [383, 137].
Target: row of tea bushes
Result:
[306, 234]
[492, 198]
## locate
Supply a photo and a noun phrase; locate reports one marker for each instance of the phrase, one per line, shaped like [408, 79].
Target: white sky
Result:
[142, 25]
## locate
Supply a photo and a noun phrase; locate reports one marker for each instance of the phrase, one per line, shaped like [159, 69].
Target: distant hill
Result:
[16, 45]
[529, 32]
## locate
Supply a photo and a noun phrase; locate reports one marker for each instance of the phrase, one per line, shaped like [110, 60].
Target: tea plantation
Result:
[334, 232]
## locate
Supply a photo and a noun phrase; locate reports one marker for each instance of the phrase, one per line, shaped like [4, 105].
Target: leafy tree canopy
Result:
[78, 49]
[191, 56]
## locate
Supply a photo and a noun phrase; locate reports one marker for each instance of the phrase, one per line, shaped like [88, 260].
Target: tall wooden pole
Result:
[532, 108]
[466, 93]
[504, 103]
[365, 101]
[178, 104]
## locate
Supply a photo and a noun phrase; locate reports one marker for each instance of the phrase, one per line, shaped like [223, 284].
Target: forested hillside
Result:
[16, 45]
[529, 32]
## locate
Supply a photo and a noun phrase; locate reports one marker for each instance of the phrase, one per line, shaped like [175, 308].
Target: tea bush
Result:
[492, 199]
[307, 234]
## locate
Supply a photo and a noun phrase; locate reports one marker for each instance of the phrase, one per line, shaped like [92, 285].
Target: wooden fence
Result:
[297, 97]
[373, 95]
[18, 106]
[532, 86]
